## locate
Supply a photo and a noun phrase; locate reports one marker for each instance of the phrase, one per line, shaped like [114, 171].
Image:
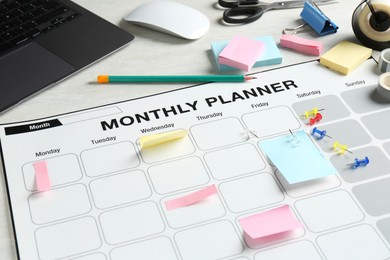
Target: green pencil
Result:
[173, 78]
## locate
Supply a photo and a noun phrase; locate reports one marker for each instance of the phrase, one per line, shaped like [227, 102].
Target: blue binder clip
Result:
[314, 17]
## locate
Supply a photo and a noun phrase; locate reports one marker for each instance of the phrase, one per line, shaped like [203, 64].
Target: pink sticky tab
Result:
[42, 176]
[271, 222]
[302, 45]
[241, 53]
[191, 198]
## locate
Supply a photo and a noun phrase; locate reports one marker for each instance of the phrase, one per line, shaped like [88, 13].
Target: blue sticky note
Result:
[270, 56]
[298, 159]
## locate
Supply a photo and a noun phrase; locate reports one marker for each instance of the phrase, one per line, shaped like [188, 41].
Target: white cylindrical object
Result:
[383, 88]
[384, 61]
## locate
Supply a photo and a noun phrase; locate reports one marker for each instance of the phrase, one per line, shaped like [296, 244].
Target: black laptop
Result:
[43, 41]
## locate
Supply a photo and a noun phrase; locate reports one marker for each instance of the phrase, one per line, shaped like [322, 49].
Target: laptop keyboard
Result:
[23, 20]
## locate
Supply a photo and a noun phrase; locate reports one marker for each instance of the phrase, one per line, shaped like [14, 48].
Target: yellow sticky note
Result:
[151, 140]
[345, 56]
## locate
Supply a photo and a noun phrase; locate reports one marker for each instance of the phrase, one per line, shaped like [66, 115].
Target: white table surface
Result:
[154, 53]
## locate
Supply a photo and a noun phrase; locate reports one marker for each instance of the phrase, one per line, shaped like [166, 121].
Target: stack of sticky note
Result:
[309, 47]
[262, 227]
[243, 53]
[296, 157]
[345, 56]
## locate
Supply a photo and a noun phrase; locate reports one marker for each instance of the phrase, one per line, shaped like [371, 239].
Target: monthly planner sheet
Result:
[292, 165]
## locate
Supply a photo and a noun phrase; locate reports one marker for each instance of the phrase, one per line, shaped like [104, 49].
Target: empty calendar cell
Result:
[97, 162]
[228, 163]
[120, 189]
[375, 124]
[251, 192]
[68, 238]
[178, 175]
[218, 133]
[132, 222]
[356, 243]
[330, 210]
[363, 100]
[210, 241]
[58, 204]
[373, 196]
[271, 121]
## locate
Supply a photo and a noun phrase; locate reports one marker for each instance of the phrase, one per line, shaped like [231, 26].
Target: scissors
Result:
[248, 11]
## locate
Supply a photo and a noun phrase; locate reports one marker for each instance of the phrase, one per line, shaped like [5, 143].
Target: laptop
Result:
[44, 41]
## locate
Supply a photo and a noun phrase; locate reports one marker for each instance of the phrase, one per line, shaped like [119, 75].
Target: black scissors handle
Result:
[234, 4]
[246, 14]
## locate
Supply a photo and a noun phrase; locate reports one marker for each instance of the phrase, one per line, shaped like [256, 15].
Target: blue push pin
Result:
[357, 162]
[319, 134]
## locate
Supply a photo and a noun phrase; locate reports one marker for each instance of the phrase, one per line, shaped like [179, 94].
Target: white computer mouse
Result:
[170, 17]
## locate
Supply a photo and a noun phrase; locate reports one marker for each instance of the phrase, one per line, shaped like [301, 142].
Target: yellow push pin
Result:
[311, 113]
[340, 148]
[151, 140]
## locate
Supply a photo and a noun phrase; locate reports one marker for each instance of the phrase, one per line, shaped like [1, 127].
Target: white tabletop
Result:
[154, 53]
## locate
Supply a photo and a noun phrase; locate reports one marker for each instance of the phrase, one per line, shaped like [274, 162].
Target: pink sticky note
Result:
[241, 53]
[271, 222]
[302, 45]
[42, 179]
[191, 198]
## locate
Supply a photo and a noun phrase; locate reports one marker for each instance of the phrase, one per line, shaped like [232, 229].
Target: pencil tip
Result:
[250, 77]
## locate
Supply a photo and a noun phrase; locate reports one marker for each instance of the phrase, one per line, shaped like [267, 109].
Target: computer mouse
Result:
[171, 18]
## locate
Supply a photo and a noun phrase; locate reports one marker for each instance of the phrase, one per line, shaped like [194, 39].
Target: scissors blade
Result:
[296, 4]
